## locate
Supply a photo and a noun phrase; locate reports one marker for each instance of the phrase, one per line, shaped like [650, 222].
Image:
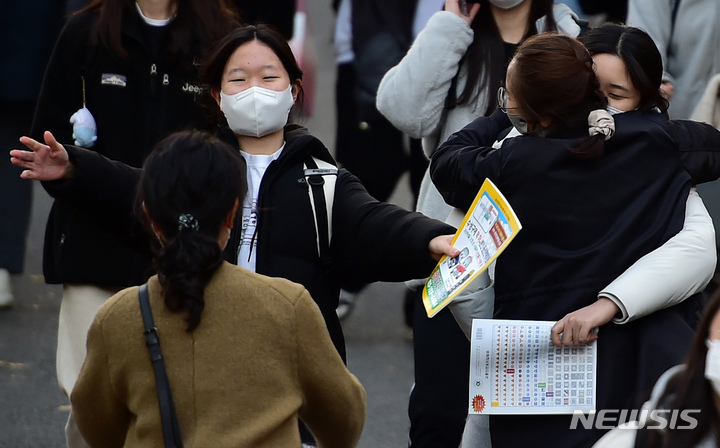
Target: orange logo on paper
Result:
[478, 403]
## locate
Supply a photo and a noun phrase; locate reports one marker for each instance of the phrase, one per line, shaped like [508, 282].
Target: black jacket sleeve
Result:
[376, 241]
[106, 189]
[460, 165]
[699, 145]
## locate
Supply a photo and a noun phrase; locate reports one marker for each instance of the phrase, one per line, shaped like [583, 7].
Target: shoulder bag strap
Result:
[170, 426]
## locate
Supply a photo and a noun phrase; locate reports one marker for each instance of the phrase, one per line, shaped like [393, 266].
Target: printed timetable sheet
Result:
[515, 369]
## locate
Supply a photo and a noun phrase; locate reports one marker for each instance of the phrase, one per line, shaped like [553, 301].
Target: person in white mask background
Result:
[691, 390]
[449, 77]
[253, 80]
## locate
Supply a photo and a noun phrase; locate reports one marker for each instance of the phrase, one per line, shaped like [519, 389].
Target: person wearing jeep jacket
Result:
[128, 69]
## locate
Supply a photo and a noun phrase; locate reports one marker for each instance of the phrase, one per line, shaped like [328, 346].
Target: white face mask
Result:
[712, 365]
[506, 4]
[614, 111]
[257, 111]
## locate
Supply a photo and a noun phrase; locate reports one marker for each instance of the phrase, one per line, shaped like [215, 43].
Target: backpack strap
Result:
[170, 426]
[321, 177]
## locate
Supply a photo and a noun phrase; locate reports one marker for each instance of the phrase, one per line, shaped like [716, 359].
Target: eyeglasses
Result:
[502, 99]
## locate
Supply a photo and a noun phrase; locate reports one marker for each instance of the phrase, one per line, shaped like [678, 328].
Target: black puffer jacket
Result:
[135, 103]
[371, 240]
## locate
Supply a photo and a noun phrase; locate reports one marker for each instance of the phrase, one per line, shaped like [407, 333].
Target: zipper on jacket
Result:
[166, 79]
[153, 75]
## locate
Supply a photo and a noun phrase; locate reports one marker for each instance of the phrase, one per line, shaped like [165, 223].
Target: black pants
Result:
[439, 399]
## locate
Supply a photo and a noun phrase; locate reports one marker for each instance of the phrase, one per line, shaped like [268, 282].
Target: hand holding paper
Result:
[577, 328]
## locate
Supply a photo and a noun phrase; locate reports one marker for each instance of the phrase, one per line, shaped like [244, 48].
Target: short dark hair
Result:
[190, 173]
[640, 55]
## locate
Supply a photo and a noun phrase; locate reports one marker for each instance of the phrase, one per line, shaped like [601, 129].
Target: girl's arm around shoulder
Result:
[671, 273]
[461, 164]
[334, 400]
[412, 94]
[699, 145]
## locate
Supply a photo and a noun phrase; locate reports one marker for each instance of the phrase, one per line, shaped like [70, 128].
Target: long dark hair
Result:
[690, 390]
[553, 80]
[197, 24]
[640, 55]
[191, 176]
[213, 65]
[485, 57]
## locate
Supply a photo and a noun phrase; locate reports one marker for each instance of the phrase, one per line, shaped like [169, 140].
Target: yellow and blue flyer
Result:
[488, 227]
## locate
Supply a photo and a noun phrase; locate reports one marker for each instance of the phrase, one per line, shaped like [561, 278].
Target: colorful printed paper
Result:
[488, 227]
[515, 369]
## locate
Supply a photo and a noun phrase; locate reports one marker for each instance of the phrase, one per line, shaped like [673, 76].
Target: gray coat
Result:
[690, 56]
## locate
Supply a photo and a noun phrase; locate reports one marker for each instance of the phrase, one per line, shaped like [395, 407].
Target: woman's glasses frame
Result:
[502, 99]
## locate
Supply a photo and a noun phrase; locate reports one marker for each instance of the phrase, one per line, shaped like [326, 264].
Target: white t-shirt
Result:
[256, 166]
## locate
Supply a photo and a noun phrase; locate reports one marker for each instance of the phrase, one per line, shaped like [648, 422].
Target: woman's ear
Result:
[155, 227]
[296, 88]
[216, 95]
[230, 218]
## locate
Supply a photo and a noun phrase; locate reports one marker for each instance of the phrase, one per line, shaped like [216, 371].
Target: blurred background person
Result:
[687, 35]
[132, 66]
[23, 57]
[371, 37]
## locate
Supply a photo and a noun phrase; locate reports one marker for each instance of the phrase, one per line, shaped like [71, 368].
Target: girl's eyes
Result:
[615, 96]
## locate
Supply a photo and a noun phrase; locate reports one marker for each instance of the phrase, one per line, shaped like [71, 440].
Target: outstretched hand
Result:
[578, 327]
[45, 162]
[441, 245]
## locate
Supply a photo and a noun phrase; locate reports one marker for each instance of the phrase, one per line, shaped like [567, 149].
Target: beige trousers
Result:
[79, 305]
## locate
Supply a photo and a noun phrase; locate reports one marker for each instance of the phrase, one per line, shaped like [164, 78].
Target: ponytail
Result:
[185, 264]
